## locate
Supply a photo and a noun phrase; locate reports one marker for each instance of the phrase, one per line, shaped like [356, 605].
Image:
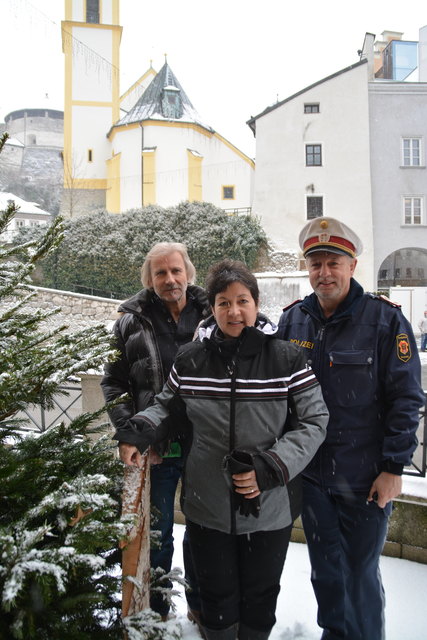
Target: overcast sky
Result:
[232, 57]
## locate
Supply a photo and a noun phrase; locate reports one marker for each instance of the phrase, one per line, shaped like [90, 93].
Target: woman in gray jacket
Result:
[258, 417]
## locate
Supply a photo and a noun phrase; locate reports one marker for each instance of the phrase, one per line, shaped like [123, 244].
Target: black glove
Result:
[241, 462]
[145, 434]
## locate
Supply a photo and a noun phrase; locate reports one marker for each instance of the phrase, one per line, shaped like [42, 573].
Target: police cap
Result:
[329, 234]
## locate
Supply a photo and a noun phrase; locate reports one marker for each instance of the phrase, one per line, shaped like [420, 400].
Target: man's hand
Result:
[154, 457]
[387, 486]
[130, 455]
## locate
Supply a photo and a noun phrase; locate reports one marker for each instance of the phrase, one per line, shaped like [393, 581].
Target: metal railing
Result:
[66, 408]
[419, 460]
[239, 211]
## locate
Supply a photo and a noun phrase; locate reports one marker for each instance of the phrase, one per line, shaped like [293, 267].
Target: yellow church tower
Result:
[91, 43]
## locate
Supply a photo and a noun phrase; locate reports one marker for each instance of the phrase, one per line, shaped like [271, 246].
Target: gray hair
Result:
[165, 249]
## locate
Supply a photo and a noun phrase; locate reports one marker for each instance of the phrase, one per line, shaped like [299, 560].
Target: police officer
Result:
[364, 355]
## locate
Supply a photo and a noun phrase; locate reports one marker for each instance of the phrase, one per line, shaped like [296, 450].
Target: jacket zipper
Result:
[231, 370]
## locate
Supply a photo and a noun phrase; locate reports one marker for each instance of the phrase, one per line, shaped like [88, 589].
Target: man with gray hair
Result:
[363, 352]
[152, 326]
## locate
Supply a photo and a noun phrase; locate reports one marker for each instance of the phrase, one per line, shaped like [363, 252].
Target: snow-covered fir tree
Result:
[60, 523]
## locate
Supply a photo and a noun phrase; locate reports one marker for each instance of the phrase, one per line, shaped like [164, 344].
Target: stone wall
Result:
[77, 309]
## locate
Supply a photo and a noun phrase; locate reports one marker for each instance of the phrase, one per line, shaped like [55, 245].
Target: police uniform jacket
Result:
[236, 393]
[366, 360]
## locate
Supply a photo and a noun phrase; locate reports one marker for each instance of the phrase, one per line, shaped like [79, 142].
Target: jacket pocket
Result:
[352, 380]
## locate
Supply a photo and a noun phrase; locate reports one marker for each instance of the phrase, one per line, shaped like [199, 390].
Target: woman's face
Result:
[234, 309]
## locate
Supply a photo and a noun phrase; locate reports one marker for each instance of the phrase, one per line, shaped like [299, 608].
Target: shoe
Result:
[168, 616]
[230, 633]
[194, 617]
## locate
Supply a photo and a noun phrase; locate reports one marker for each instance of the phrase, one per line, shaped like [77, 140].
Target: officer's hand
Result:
[386, 487]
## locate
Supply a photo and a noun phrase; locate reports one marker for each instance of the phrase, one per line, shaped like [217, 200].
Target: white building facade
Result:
[350, 146]
[148, 146]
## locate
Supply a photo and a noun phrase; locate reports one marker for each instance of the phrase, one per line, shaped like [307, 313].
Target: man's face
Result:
[329, 275]
[169, 277]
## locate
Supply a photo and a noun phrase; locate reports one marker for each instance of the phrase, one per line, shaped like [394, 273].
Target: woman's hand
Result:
[246, 484]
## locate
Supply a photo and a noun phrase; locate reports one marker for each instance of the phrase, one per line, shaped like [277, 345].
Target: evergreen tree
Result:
[60, 522]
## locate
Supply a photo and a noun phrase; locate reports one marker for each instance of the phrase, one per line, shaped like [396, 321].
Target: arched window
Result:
[404, 267]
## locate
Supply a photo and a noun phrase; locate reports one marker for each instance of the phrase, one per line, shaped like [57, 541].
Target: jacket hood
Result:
[138, 303]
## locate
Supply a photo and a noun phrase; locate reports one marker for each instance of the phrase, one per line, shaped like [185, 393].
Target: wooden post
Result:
[136, 553]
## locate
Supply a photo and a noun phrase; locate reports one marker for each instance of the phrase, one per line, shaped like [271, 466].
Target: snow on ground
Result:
[405, 585]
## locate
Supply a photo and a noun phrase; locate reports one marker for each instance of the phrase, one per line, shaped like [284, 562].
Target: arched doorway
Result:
[404, 267]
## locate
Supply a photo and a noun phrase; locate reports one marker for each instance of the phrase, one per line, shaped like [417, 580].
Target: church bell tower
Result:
[91, 43]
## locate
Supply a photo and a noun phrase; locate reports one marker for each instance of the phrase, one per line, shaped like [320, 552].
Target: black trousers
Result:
[238, 575]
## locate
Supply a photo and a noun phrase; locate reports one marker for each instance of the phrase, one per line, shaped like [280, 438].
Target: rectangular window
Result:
[92, 11]
[413, 210]
[313, 155]
[228, 193]
[314, 207]
[311, 107]
[383, 274]
[89, 155]
[411, 152]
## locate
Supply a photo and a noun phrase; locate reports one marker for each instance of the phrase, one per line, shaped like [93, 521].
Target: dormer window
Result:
[171, 103]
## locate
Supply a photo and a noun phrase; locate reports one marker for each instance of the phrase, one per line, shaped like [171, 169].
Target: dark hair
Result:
[223, 273]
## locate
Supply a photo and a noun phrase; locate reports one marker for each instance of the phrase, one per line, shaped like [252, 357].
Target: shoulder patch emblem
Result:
[403, 347]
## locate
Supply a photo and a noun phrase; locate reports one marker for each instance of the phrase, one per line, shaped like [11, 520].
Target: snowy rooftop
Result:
[14, 142]
[149, 105]
[24, 205]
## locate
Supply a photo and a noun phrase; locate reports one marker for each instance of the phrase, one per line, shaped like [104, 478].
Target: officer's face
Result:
[330, 275]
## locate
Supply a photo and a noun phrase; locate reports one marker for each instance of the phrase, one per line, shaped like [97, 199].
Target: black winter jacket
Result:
[139, 372]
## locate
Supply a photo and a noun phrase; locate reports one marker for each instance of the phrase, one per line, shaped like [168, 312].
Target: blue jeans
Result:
[345, 536]
[423, 341]
[164, 481]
